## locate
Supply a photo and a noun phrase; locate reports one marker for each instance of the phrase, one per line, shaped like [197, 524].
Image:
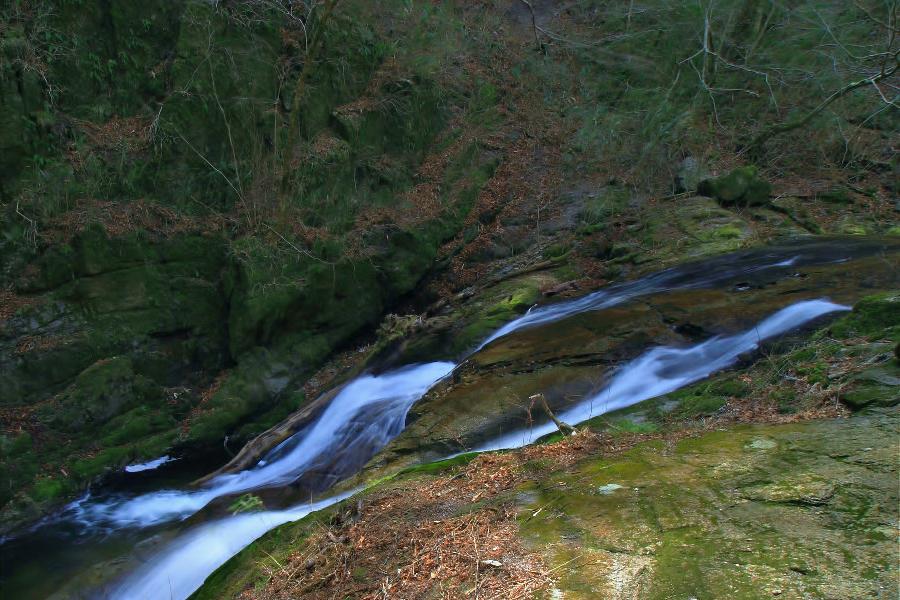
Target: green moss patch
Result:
[741, 187]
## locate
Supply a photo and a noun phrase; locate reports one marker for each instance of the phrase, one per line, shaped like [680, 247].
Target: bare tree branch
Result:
[564, 428]
[780, 128]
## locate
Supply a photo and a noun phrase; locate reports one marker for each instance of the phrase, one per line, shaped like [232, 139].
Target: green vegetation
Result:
[788, 507]
[440, 466]
[201, 203]
[246, 503]
[708, 397]
[679, 512]
[875, 317]
[742, 187]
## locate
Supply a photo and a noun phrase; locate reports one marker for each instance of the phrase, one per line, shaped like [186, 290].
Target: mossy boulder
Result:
[741, 187]
[105, 389]
[877, 386]
[707, 398]
[873, 316]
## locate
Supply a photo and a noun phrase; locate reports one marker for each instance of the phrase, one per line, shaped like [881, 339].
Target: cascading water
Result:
[371, 410]
[180, 570]
[367, 413]
[670, 279]
[664, 369]
[658, 371]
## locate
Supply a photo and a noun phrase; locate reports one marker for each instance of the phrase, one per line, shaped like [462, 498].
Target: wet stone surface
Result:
[805, 510]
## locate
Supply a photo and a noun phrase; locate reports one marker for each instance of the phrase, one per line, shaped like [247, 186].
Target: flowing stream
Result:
[368, 413]
[371, 410]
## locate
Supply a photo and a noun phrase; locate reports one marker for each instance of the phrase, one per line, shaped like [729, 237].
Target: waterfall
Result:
[184, 564]
[367, 413]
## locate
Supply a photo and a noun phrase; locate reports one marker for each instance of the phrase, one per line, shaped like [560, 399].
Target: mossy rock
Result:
[105, 389]
[877, 386]
[873, 316]
[492, 316]
[741, 187]
[706, 398]
[799, 489]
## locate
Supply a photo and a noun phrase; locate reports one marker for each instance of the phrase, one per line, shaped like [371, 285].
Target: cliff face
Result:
[203, 203]
[172, 269]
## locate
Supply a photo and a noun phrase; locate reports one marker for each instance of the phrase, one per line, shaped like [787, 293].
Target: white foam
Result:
[149, 465]
[367, 413]
[184, 564]
[665, 369]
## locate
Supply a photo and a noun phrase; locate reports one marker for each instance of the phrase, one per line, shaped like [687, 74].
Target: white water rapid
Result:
[367, 413]
[182, 566]
[665, 369]
[186, 562]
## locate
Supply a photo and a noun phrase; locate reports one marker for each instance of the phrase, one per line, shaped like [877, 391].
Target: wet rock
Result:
[877, 386]
[102, 391]
[561, 288]
[803, 489]
[690, 331]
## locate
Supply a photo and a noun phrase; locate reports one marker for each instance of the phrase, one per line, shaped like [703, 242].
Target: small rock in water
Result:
[609, 488]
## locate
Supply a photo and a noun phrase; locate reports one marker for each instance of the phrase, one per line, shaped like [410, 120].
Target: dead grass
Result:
[435, 538]
[128, 133]
[11, 302]
[121, 218]
[39, 343]
[456, 535]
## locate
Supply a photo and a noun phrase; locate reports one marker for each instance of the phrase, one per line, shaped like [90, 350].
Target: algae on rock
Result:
[743, 186]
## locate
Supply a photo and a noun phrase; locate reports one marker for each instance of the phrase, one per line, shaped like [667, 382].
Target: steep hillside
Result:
[212, 212]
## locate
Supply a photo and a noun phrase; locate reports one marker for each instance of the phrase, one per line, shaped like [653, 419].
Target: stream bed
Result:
[164, 541]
